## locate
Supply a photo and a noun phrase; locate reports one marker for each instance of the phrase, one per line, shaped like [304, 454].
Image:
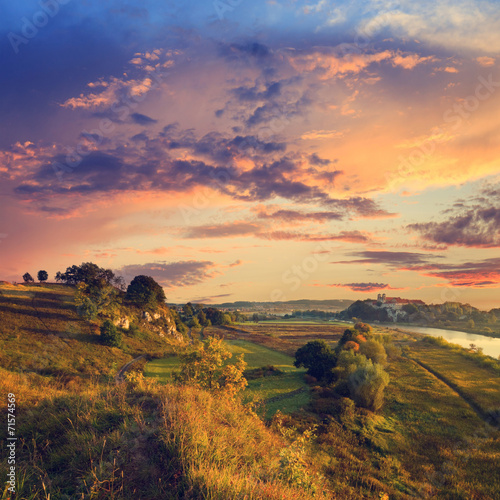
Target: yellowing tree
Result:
[205, 367]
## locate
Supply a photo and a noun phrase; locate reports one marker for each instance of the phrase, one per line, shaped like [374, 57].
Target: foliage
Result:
[317, 357]
[90, 274]
[205, 367]
[293, 463]
[28, 278]
[367, 385]
[216, 316]
[110, 335]
[145, 291]
[94, 299]
[375, 351]
[264, 371]
[42, 276]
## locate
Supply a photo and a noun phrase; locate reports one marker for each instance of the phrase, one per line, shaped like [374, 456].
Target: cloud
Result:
[365, 287]
[173, 274]
[481, 274]
[321, 134]
[142, 119]
[466, 25]
[486, 61]
[327, 64]
[347, 236]
[395, 260]
[410, 61]
[226, 230]
[296, 215]
[472, 227]
[314, 159]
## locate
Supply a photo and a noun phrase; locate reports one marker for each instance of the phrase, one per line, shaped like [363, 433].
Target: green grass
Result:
[259, 389]
[479, 383]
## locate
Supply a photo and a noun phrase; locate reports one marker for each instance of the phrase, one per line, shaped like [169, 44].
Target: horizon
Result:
[259, 151]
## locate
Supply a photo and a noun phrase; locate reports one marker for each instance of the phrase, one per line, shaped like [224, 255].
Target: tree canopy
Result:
[42, 276]
[317, 357]
[145, 291]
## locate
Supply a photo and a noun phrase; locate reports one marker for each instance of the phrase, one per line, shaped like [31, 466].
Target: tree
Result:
[193, 322]
[317, 357]
[42, 276]
[90, 274]
[28, 278]
[205, 367]
[145, 291]
[202, 318]
[367, 385]
[110, 335]
[375, 351]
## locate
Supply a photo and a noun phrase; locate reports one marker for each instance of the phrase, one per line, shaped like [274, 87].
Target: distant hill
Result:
[301, 304]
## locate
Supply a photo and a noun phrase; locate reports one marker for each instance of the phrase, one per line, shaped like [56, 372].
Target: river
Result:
[490, 345]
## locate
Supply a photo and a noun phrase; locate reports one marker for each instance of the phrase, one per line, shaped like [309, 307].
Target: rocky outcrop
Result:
[162, 323]
[123, 322]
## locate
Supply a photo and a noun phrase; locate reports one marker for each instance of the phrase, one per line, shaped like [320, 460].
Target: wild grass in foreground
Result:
[144, 440]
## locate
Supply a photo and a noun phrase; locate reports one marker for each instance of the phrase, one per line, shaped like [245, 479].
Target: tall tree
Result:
[145, 291]
[42, 276]
[317, 357]
[28, 278]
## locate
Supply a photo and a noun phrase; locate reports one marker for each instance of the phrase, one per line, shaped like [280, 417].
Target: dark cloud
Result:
[153, 162]
[485, 273]
[479, 274]
[365, 287]
[397, 260]
[257, 51]
[348, 236]
[173, 274]
[273, 89]
[229, 229]
[474, 227]
[295, 215]
[314, 159]
[141, 119]
[139, 137]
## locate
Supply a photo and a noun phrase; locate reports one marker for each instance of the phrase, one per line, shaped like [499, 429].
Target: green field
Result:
[260, 389]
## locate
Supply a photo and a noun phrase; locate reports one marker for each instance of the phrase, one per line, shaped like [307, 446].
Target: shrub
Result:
[367, 386]
[110, 335]
[204, 367]
[375, 351]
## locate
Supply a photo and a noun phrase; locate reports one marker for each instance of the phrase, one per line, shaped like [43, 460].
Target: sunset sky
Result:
[255, 150]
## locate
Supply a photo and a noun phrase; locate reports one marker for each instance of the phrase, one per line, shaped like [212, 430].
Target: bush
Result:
[110, 335]
[367, 386]
[375, 351]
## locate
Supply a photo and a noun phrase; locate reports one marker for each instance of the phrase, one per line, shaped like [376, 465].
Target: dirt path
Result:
[121, 373]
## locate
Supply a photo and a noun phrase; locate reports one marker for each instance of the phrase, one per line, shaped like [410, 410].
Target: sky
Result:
[255, 150]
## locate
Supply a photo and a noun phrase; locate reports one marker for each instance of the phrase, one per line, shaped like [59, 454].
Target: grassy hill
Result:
[81, 435]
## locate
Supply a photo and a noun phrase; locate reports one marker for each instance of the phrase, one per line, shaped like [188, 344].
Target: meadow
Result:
[84, 436]
[259, 390]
